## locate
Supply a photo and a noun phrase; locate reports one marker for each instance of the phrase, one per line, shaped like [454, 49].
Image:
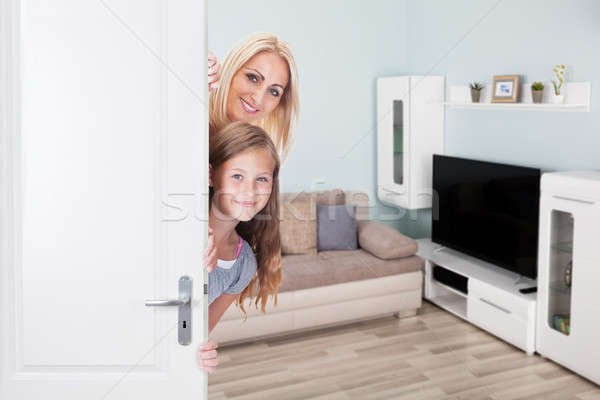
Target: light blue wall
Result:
[341, 46]
[469, 40]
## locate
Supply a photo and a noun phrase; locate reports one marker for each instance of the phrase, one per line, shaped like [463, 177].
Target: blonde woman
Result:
[258, 84]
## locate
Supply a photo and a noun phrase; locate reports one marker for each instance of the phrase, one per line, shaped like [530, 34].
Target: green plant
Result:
[537, 86]
[476, 85]
[559, 72]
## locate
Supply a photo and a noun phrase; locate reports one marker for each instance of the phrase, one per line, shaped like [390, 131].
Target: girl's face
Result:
[242, 185]
[257, 87]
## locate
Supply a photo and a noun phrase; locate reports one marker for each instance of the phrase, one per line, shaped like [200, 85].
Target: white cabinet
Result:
[568, 323]
[490, 299]
[410, 129]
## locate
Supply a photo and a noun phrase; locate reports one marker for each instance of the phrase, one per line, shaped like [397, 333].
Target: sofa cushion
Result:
[338, 266]
[336, 227]
[361, 201]
[298, 219]
[332, 197]
[298, 224]
[384, 241]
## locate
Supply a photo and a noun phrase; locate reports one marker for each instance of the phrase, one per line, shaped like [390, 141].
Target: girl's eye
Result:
[237, 177]
[263, 179]
[275, 92]
[252, 77]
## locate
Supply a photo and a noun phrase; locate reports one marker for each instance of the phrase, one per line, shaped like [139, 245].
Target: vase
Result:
[537, 95]
[558, 99]
[568, 278]
[475, 95]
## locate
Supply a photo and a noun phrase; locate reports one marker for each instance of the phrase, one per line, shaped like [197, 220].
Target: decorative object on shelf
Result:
[569, 274]
[475, 91]
[537, 91]
[505, 89]
[558, 97]
[562, 323]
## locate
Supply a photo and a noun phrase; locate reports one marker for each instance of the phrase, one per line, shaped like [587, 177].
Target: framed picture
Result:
[505, 89]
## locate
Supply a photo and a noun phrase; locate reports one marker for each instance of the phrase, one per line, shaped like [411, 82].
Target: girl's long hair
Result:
[262, 231]
[280, 124]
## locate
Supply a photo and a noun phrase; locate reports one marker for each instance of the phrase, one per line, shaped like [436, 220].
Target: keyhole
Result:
[184, 324]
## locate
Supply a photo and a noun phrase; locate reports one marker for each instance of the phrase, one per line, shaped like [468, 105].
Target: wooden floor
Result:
[434, 355]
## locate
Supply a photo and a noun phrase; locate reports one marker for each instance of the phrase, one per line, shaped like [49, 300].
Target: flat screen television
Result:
[487, 210]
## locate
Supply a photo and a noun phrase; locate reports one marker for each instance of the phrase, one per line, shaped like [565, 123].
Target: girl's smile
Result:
[246, 203]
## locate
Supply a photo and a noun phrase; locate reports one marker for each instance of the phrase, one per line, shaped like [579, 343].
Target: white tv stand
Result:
[492, 302]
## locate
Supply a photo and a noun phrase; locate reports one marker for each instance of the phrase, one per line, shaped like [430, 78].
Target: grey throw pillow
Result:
[336, 227]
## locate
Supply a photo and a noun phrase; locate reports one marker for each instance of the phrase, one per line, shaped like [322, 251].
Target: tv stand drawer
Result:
[497, 320]
[499, 299]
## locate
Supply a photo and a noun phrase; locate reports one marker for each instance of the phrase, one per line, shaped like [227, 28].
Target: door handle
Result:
[167, 303]
[184, 303]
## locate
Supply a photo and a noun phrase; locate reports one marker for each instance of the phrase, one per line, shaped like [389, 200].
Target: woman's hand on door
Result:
[207, 356]
[214, 71]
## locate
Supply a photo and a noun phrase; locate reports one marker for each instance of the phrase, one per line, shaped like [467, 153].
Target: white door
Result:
[103, 186]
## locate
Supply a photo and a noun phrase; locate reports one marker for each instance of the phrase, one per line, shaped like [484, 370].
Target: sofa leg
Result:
[405, 313]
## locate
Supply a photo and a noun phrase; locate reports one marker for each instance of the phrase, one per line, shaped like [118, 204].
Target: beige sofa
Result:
[326, 288]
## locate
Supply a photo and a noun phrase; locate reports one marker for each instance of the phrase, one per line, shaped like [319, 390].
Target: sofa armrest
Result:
[384, 241]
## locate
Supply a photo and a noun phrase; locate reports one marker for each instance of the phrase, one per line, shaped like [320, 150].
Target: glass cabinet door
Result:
[398, 110]
[560, 271]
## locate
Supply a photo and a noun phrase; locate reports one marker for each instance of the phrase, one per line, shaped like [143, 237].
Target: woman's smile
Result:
[248, 107]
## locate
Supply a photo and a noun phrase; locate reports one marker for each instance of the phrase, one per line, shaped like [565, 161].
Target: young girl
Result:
[244, 240]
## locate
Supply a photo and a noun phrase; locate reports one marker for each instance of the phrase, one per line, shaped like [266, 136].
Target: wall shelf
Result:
[577, 99]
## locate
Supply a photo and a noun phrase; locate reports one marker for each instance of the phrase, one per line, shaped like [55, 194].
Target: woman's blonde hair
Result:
[280, 124]
[262, 231]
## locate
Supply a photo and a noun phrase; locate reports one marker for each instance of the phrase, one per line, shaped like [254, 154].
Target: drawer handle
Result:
[572, 199]
[494, 305]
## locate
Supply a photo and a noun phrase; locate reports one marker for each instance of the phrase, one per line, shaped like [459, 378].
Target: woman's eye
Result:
[275, 92]
[252, 77]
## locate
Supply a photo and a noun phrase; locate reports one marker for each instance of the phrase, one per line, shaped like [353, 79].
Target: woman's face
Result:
[243, 184]
[257, 87]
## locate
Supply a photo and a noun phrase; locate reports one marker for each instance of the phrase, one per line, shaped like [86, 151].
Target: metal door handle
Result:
[184, 304]
[167, 303]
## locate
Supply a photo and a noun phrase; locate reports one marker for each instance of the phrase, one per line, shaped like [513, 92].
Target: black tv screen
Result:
[487, 210]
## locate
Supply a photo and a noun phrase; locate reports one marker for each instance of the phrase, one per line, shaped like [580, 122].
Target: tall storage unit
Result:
[410, 129]
[568, 323]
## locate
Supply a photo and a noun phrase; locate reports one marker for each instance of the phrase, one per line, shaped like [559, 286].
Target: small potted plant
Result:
[475, 91]
[537, 91]
[559, 75]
